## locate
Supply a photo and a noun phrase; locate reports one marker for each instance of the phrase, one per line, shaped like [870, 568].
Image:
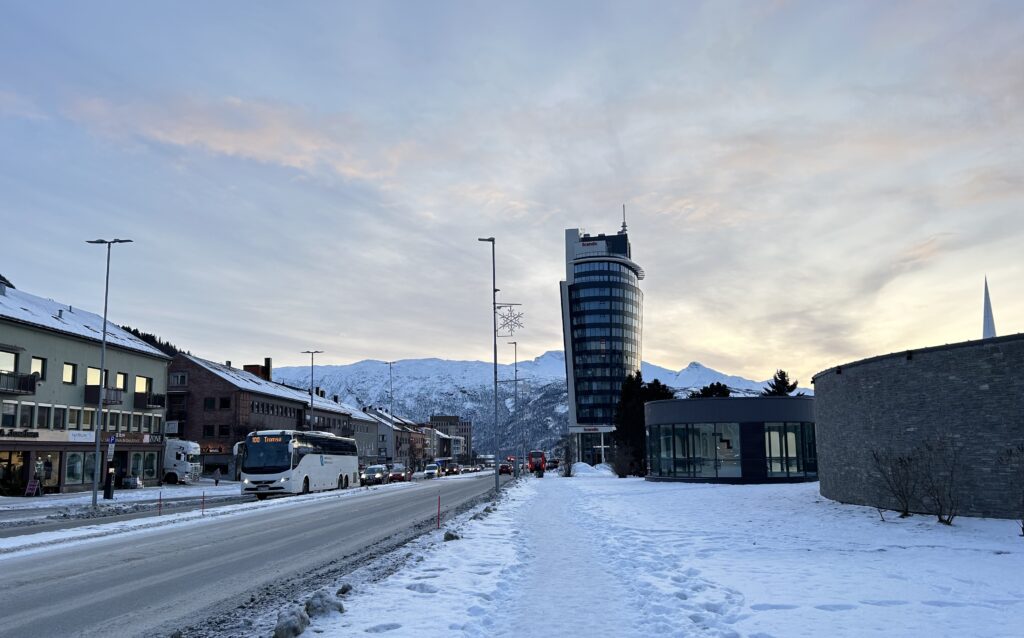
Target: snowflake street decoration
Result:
[509, 320]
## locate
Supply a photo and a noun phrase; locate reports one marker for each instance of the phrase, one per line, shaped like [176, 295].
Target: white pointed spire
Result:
[988, 328]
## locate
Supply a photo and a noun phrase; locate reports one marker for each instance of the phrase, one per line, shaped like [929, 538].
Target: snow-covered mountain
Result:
[437, 386]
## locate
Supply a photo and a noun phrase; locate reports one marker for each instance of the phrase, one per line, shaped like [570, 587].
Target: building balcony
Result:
[111, 396]
[17, 383]
[148, 400]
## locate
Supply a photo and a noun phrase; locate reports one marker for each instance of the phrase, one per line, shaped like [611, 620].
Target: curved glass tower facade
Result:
[602, 326]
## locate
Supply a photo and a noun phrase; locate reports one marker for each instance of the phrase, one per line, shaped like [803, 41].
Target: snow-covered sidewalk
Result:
[596, 556]
[203, 487]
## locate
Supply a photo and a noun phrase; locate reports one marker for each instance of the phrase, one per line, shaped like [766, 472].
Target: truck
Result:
[181, 461]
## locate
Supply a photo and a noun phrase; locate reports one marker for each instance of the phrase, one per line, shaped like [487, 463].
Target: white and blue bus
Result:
[296, 462]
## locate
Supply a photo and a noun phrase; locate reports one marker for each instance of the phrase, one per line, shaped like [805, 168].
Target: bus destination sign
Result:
[266, 439]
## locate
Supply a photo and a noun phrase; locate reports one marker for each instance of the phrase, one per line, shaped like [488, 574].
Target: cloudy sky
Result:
[807, 183]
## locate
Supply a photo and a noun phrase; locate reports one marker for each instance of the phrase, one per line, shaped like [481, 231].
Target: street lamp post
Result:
[494, 317]
[311, 354]
[103, 363]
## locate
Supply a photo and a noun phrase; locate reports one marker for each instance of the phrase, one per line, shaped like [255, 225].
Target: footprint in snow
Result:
[771, 607]
[379, 629]
[835, 607]
[422, 588]
[884, 603]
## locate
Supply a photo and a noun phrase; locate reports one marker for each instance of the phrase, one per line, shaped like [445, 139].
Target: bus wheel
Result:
[346, 482]
[305, 485]
[171, 478]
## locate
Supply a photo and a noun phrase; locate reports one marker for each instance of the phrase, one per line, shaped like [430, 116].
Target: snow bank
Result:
[584, 470]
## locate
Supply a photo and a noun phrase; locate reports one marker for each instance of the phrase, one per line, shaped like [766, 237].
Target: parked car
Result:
[374, 475]
[430, 472]
[399, 473]
[505, 468]
[552, 464]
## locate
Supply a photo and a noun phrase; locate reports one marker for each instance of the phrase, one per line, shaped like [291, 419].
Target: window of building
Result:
[143, 385]
[25, 416]
[136, 423]
[73, 469]
[8, 415]
[178, 378]
[225, 403]
[8, 361]
[74, 418]
[157, 425]
[88, 417]
[70, 375]
[92, 376]
[208, 431]
[39, 367]
[43, 417]
[210, 403]
[60, 418]
[114, 421]
[224, 430]
[149, 466]
[121, 381]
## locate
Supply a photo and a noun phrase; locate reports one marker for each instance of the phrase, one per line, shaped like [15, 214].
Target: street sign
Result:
[110, 448]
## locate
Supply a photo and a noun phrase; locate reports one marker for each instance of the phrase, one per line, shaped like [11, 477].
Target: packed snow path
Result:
[592, 556]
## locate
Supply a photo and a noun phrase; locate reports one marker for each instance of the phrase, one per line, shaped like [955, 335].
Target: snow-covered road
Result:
[598, 556]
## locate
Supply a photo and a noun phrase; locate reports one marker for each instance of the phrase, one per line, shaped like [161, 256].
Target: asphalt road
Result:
[173, 577]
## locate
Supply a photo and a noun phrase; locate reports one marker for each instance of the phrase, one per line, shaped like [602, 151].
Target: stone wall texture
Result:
[970, 393]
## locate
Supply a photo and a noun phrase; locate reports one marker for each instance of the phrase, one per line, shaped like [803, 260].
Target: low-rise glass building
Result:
[732, 440]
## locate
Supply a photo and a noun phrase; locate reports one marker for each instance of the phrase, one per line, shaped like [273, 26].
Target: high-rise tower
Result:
[988, 322]
[602, 324]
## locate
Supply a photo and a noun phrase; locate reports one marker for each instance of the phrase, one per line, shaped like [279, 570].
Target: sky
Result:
[806, 183]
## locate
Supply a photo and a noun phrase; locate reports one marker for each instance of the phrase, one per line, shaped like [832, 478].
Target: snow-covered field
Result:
[594, 555]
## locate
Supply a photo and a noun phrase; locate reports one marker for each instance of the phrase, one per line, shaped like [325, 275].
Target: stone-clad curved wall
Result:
[971, 391]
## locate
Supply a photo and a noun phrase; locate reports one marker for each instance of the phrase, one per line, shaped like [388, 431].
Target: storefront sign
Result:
[81, 437]
[11, 433]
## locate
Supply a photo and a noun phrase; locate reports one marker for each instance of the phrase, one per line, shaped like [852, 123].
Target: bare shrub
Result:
[900, 475]
[1013, 458]
[941, 469]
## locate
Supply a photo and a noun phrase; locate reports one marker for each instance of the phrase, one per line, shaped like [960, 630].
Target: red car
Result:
[505, 468]
[399, 473]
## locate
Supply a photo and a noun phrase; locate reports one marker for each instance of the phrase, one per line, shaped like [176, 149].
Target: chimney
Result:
[336, 399]
[227, 363]
[323, 394]
[268, 368]
[60, 312]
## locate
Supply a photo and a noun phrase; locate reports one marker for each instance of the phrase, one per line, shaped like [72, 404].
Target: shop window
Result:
[74, 470]
[39, 367]
[88, 467]
[70, 375]
[47, 469]
[149, 466]
[136, 464]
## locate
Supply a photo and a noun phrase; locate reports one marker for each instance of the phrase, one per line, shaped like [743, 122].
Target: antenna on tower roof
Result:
[623, 219]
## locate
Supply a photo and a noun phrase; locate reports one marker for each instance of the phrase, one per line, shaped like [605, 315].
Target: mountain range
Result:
[423, 387]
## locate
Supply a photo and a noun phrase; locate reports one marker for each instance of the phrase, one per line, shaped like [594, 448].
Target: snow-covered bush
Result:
[291, 622]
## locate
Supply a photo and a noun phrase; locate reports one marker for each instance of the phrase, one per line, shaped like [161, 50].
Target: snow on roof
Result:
[23, 307]
[251, 383]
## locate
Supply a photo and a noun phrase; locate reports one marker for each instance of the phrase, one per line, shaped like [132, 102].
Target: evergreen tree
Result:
[716, 389]
[779, 386]
[630, 436]
[166, 347]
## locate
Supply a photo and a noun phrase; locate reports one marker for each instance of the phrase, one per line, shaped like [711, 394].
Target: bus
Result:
[297, 462]
[536, 462]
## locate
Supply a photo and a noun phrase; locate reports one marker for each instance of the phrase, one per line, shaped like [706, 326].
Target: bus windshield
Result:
[267, 454]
